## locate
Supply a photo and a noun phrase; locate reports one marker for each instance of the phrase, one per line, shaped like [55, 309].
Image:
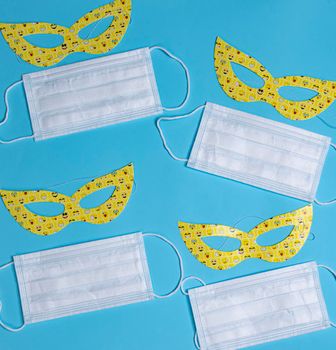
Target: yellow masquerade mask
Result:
[192, 235]
[225, 54]
[16, 202]
[15, 34]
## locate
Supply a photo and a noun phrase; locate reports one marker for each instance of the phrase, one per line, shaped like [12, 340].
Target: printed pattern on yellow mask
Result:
[225, 54]
[15, 34]
[121, 179]
[300, 219]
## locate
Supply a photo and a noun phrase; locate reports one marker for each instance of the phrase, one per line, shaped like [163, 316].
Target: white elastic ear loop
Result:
[196, 341]
[334, 274]
[2, 324]
[188, 279]
[10, 87]
[333, 145]
[175, 290]
[164, 141]
[186, 70]
[5, 142]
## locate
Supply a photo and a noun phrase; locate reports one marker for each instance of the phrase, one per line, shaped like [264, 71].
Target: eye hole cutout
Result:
[47, 41]
[45, 208]
[275, 236]
[248, 77]
[225, 244]
[97, 198]
[297, 93]
[95, 29]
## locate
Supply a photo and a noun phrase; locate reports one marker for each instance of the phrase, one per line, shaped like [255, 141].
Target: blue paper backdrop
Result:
[289, 38]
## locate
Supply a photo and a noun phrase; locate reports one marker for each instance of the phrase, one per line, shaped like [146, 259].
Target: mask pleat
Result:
[91, 96]
[93, 93]
[259, 308]
[81, 278]
[259, 152]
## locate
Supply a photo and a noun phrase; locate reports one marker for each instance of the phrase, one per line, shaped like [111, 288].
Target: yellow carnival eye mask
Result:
[226, 54]
[16, 202]
[15, 34]
[193, 235]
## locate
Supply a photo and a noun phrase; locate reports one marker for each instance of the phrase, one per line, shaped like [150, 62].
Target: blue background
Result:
[289, 38]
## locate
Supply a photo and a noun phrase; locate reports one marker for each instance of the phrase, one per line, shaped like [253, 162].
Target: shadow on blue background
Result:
[289, 38]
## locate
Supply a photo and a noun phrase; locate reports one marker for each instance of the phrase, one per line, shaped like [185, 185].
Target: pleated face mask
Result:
[85, 277]
[257, 151]
[260, 308]
[91, 94]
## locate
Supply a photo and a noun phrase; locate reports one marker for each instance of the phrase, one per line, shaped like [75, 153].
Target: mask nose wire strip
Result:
[176, 289]
[186, 70]
[164, 141]
[333, 145]
[2, 324]
[334, 275]
[7, 113]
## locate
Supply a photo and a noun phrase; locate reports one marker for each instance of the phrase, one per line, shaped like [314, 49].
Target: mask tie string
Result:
[2, 324]
[334, 275]
[185, 292]
[164, 141]
[176, 289]
[186, 71]
[333, 145]
[4, 121]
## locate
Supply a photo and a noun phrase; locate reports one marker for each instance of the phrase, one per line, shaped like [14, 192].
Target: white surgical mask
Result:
[257, 151]
[85, 277]
[93, 93]
[259, 308]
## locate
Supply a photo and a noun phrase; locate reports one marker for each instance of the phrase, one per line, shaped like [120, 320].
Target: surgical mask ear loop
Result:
[196, 341]
[333, 145]
[334, 275]
[4, 121]
[186, 70]
[183, 290]
[176, 289]
[164, 141]
[2, 324]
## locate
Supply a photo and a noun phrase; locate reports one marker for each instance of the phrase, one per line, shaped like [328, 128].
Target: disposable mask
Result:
[91, 94]
[257, 151]
[193, 236]
[16, 202]
[259, 308]
[226, 55]
[15, 33]
[85, 277]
